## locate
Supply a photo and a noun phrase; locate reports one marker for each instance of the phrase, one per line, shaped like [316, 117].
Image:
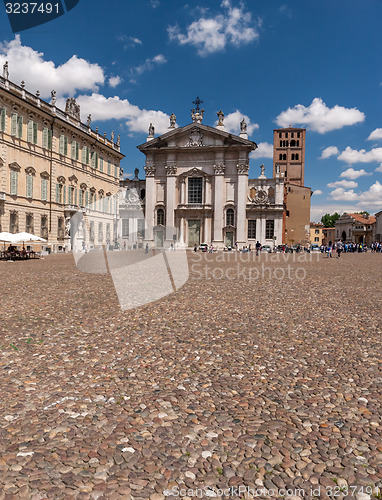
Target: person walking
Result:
[147, 249]
[339, 248]
[258, 247]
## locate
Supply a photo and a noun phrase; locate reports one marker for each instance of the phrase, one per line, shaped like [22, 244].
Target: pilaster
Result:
[219, 171]
[241, 201]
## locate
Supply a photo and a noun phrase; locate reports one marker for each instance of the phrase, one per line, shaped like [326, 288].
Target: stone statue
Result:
[72, 108]
[54, 99]
[172, 120]
[220, 117]
[118, 140]
[80, 230]
[121, 173]
[67, 226]
[5, 70]
[112, 136]
[104, 134]
[262, 170]
[151, 130]
[243, 126]
[89, 120]
[136, 172]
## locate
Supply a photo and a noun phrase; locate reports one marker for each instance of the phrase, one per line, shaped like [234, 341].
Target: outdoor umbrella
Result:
[27, 238]
[7, 237]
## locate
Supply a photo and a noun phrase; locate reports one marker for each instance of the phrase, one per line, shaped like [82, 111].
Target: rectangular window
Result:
[70, 195]
[30, 131]
[44, 227]
[14, 124]
[115, 171]
[269, 229]
[104, 208]
[195, 190]
[35, 131]
[81, 198]
[316, 239]
[29, 186]
[101, 164]
[75, 150]
[108, 168]
[317, 231]
[19, 127]
[13, 223]
[13, 182]
[29, 223]
[86, 198]
[94, 159]
[63, 146]
[45, 137]
[252, 229]
[2, 119]
[125, 228]
[44, 189]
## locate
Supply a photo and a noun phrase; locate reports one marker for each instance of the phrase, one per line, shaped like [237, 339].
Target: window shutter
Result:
[20, 124]
[50, 137]
[77, 150]
[73, 150]
[86, 199]
[108, 168]
[92, 159]
[14, 124]
[87, 155]
[45, 138]
[13, 182]
[35, 129]
[96, 160]
[44, 189]
[61, 145]
[29, 186]
[64, 200]
[65, 145]
[83, 154]
[75, 196]
[2, 122]
[101, 164]
[30, 131]
[57, 193]
[80, 196]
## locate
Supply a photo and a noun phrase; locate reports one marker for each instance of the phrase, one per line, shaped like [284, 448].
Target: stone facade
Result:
[197, 189]
[355, 228]
[378, 226]
[52, 166]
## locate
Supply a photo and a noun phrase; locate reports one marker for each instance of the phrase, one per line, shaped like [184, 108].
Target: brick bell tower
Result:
[289, 153]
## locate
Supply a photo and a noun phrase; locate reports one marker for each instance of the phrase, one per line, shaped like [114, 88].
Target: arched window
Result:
[230, 216]
[287, 144]
[280, 156]
[292, 156]
[292, 143]
[297, 143]
[296, 156]
[298, 134]
[284, 157]
[280, 135]
[292, 134]
[281, 144]
[160, 217]
[286, 134]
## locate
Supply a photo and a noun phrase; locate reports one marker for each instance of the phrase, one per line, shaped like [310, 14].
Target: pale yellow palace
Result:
[52, 166]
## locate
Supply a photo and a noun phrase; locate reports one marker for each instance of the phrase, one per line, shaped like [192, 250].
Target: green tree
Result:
[330, 220]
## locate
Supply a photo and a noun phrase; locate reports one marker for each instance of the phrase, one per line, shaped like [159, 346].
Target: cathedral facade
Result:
[197, 189]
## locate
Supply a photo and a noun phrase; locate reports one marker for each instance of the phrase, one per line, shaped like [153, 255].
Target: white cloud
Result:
[362, 156]
[211, 34]
[319, 118]
[371, 197]
[344, 184]
[328, 152]
[114, 81]
[26, 64]
[317, 211]
[264, 150]
[350, 173]
[375, 135]
[148, 65]
[137, 120]
[317, 192]
[129, 41]
[232, 123]
[378, 169]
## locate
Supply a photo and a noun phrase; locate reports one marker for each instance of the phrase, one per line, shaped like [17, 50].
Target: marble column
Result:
[150, 204]
[218, 205]
[241, 202]
[170, 204]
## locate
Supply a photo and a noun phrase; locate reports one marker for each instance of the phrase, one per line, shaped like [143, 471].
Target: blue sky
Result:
[310, 64]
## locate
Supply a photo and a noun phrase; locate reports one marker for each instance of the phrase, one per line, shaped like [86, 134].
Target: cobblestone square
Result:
[269, 383]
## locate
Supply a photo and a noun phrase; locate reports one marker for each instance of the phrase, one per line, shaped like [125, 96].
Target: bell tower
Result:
[289, 153]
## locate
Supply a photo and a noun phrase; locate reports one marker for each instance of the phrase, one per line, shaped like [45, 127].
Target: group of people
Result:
[340, 247]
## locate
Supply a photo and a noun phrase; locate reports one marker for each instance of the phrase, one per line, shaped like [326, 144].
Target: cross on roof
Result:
[197, 103]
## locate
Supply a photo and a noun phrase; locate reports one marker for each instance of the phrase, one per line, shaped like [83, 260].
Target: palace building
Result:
[53, 166]
[197, 190]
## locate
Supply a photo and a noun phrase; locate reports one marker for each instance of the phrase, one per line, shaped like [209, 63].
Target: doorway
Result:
[193, 233]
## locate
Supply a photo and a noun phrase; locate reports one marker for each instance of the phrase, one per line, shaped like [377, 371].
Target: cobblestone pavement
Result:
[254, 385]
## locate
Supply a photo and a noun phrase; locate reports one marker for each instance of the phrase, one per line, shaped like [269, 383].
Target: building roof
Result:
[362, 220]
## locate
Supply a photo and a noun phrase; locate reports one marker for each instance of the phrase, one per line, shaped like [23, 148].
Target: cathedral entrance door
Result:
[159, 238]
[229, 239]
[193, 232]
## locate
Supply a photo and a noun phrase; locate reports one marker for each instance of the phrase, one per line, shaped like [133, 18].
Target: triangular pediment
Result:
[196, 135]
